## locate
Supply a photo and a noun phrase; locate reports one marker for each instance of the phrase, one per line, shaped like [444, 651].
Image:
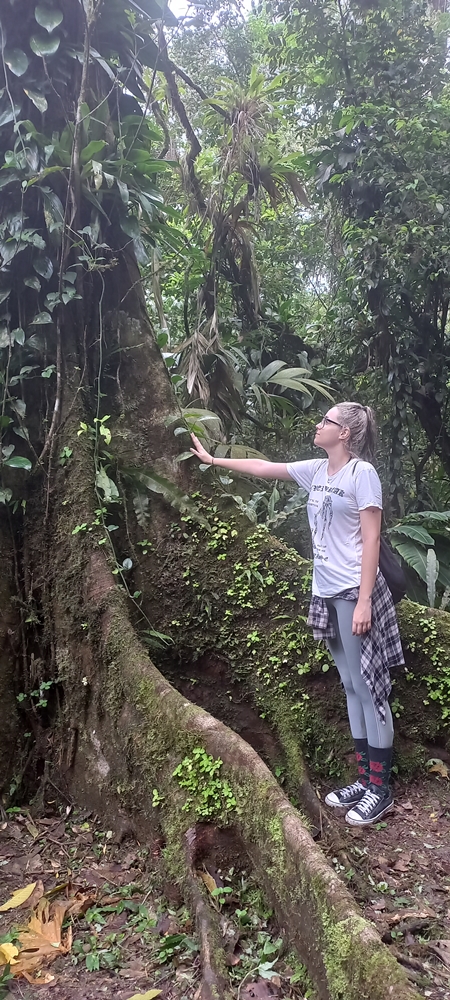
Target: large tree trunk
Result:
[232, 598]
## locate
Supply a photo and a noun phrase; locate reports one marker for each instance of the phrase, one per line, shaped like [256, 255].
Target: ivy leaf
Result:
[123, 190]
[18, 335]
[43, 46]
[32, 283]
[17, 61]
[9, 112]
[106, 485]
[53, 211]
[48, 17]
[39, 101]
[18, 462]
[41, 319]
[43, 265]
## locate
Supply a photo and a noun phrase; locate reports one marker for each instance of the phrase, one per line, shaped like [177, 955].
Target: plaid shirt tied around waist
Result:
[381, 648]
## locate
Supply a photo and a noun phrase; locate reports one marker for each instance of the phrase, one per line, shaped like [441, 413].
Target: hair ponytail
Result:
[360, 421]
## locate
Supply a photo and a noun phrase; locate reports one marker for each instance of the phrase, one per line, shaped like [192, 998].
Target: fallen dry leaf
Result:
[442, 949]
[208, 881]
[32, 829]
[40, 979]
[396, 918]
[41, 941]
[8, 953]
[260, 990]
[403, 863]
[440, 768]
[149, 995]
[33, 900]
[18, 897]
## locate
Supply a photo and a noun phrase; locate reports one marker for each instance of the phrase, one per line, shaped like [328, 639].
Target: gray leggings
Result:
[346, 652]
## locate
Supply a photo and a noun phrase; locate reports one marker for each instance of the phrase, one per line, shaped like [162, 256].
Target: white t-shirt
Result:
[334, 504]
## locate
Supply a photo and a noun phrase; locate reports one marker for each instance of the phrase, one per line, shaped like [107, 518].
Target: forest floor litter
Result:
[82, 916]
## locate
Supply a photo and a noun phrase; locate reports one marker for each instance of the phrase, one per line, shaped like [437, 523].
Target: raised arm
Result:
[247, 466]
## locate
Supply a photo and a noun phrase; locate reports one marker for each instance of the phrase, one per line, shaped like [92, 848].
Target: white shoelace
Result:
[367, 803]
[352, 789]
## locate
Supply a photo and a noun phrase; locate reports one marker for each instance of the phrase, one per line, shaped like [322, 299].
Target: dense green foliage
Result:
[297, 243]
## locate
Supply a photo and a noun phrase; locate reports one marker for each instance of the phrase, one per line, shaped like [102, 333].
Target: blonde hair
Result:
[360, 421]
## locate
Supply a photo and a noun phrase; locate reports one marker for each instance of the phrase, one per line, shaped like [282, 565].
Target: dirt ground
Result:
[399, 870]
[132, 935]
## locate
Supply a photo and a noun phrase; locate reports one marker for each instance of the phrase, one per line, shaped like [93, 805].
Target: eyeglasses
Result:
[328, 420]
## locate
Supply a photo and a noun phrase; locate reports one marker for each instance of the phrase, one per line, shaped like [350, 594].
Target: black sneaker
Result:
[373, 805]
[344, 797]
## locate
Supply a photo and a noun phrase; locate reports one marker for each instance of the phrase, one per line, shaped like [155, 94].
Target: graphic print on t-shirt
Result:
[322, 519]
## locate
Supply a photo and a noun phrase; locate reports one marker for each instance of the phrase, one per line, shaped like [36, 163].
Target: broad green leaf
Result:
[300, 385]
[18, 462]
[92, 149]
[425, 515]
[416, 532]
[413, 555]
[267, 372]
[43, 46]
[4, 292]
[48, 17]
[40, 102]
[16, 60]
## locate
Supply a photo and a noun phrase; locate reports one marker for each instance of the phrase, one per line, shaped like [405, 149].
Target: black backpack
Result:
[392, 571]
[391, 568]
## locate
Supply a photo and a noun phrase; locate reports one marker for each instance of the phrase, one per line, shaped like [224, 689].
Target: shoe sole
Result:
[368, 822]
[342, 805]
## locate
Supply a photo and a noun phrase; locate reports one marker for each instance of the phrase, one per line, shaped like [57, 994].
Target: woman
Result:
[351, 605]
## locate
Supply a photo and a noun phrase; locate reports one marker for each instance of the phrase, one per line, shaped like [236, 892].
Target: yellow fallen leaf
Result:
[439, 768]
[208, 880]
[18, 897]
[146, 996]
[32, 829]
[8, 953]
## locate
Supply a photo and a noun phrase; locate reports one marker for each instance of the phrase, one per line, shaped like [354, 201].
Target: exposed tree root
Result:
[135, 728]
[214, 981]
